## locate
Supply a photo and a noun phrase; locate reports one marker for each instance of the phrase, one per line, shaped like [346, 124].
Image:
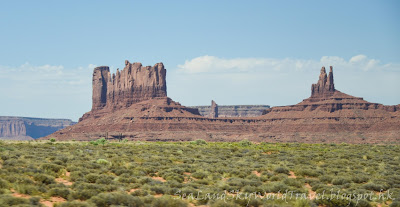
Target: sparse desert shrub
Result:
[43, 178]
[395, 204]
[3, 183]
[102, 162]
[8, 200]
[282, 170]
[374, 187]
[199, 142]
[52, 167]
[168, 201]
[116, 198]
[92, 177]
[245, 143]
[28, 189]
[74, 204]
[340, 181]
[61, 192]
[222, 203]
[52, 139]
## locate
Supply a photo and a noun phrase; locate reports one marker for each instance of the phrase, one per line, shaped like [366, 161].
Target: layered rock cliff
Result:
[234, 110]
[24, 128]
[328, 115]
[135, 83]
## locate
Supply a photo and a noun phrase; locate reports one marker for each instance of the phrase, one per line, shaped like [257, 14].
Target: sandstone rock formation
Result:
[213, 110]
[133, 84]
[24, 128]
[234, 110]
[328, 115]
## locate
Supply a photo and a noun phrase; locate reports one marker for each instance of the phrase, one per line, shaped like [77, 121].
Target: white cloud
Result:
[276, 81]
[212, 64]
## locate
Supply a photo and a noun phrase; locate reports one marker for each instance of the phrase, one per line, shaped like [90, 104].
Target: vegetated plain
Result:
[101, 173]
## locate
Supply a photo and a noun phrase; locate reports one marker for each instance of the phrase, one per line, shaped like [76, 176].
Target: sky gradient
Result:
[235, 52]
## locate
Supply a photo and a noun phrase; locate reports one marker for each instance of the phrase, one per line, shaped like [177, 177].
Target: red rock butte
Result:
[133, 104]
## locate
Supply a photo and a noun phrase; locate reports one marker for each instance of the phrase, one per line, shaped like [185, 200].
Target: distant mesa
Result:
[225, 111]
[134, 103]
[25, 128]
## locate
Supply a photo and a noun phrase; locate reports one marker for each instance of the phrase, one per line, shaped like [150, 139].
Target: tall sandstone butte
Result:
[137, 107]
[135, 83]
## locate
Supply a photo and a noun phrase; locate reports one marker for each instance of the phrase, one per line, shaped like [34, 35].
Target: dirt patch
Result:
[67, 174]
[133, 190]
[292, 175]
[52, 201]
[311, 194]
[63, 181]
[159, 179]
[256, 173]
[158, 195]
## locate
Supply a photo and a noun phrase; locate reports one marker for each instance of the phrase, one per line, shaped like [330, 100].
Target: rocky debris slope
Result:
[24, 128]
[328, 115]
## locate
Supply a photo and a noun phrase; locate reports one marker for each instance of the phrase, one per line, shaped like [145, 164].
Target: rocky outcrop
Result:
[234, 110]
[135, 83]
[324, 97]
[328, 115]
[213, 110]
[24, 128]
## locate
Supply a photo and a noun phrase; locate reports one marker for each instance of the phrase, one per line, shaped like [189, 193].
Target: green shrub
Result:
[245, 143]
[199, 142]
[61, 192]
[3, 184]
[74, 204]
[116, 198]
[43, 178]
[167, 201]
[52, 139]
[102, 162]
[92, 178]
[395, 204]
[52, 167]
[8, 200]
[340, 181]
[282, 170]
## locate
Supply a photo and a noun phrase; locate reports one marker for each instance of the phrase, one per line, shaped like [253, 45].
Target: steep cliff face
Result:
[133, 84]
[12, 128]
[24, 128]
[234, 110]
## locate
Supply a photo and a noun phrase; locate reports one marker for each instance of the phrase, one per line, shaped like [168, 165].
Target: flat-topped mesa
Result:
[135, 83]
[325, 86]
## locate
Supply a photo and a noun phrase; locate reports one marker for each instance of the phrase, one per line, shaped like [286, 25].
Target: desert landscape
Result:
[200, 103]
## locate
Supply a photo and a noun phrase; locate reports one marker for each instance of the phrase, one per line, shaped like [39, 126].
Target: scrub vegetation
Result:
[134, 173]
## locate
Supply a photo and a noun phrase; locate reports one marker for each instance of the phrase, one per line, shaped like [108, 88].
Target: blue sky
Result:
[235, 52]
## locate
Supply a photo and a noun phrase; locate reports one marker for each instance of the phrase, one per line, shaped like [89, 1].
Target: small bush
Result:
[43, 178]
[116, 198]
[200, 142]
[282, 170]
[102, 162]
[245, 143]
[340, 181]
[61, 192]
[167, 201]
[74, 204]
